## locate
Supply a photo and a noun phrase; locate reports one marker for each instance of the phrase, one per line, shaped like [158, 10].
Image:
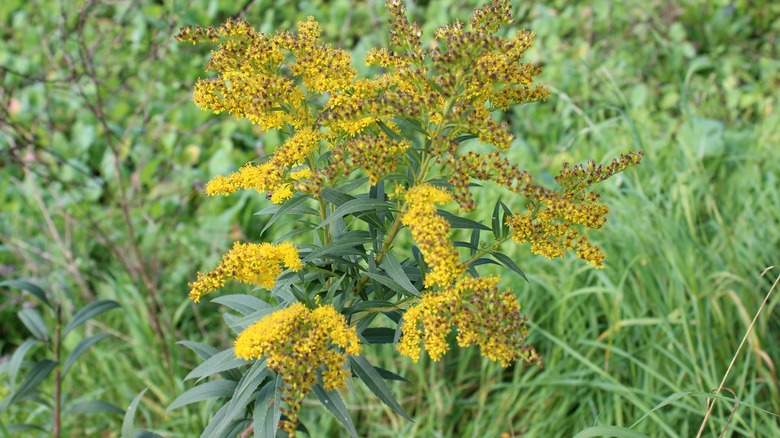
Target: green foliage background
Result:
[98, 133]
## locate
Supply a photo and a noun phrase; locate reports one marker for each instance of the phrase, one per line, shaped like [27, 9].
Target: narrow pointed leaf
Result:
[222, 361]
[396, 272]
[509, 263]
[29, 287]
[609, 431]
[39, 372]
[18, 357]
[245, 304]
[80, 349]
[266, 423]
[242, 396]
[129, 419]
[333, 403]
[94, 407]
[206, 391]
[88, 312]
[371, 378]
[34, 322]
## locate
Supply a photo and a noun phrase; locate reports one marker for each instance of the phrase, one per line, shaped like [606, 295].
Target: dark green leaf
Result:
[461, 222]
[378, 335]
[129, 419]
[474, 241]
[496, 219]
[348, 243]
[203, 351]
[206, 391]
[389, 132]
[245, 304]
[34, 322]
[88, 312]
[222, 361]
[612, 431]
[396, 272]
[333, 403]
[355, 206]
[32, 379]
[335, 197]
[18, 357]
[266, 411]
[29, 287]
[389, 375]
[242, 396]
[94, 407]
[80, 349]
[509, 263]
[371, 378]
[286, 208]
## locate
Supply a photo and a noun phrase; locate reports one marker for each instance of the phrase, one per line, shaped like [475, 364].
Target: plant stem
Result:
[57, 373]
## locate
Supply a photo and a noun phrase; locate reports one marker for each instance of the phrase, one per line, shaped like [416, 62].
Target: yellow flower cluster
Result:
[322, 68]
[250, 263]
[297, 343]
[552, 224]
[271, 174]
[483, 316]
[377, 155]
[431, 232]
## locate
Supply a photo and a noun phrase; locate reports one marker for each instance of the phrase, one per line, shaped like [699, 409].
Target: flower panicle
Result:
[250, 263]
[297, 343]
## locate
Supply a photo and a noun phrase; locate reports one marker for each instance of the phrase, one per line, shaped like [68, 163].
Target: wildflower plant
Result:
[377, 172]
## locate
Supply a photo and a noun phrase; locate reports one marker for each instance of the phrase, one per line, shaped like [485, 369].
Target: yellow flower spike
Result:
[250, 263]
[297, 342]
[431, 231]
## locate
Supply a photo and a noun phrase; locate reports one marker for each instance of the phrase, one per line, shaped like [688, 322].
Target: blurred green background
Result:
[103, 158]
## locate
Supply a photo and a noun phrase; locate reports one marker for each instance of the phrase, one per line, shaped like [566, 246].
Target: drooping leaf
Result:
[34, 322]
[206, 391]
[333, 403]
[80, 349]
[371, 378]
[93, 407]
[609, 431]
[461, 222]
[509, 263]
[203, 351]
[266, 409]
[241, 397]
[245, 304]
[88, 312]
[378, 335]
[394, 269]
[39, 372]
[219, 362]
[128, 430]
[18, 357]
[34, 290]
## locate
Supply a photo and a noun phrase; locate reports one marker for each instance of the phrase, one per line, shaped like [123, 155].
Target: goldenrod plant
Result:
[377, 173]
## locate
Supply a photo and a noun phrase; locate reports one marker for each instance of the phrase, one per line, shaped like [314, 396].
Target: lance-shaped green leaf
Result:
[93, 407]
[32, 379]
[34, 322]
[128, 429]
[613, 431]
[222, 361]
[267, 413]
[242, 396]
[371, 378]
[509, 263]
[80, 349]
[396, 272]
[347, 244]
[289, 207]
[204, 351]
[29, 287]
[245, 304]
[88, 312]
[18, 357]
[378, 335]
[335, 405]
[461, 222]
[359, 205]
[206, 391]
